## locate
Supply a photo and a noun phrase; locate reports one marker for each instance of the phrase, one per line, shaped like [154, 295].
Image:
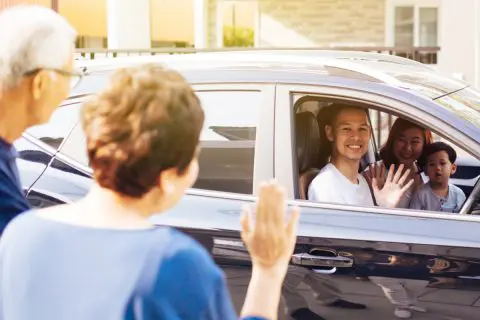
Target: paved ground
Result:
[442, 304]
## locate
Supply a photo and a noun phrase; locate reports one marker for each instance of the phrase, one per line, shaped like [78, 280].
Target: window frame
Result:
[285, 155]
[263, 155]
[45, 146]
[417, 5]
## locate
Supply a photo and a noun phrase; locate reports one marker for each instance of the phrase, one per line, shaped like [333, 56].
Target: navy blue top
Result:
[12, 199]
[56, 271]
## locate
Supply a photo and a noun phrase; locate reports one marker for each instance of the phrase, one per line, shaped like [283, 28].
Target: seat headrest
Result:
[308, 140]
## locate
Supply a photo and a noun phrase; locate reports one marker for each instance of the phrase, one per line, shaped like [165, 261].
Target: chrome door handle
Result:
[308, 260]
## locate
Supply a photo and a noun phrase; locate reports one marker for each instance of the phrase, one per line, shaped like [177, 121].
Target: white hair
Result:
[31, 37]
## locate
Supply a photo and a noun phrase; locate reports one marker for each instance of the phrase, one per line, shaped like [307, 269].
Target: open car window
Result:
[468, 167]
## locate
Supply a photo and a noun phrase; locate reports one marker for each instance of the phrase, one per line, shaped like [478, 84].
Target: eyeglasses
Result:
[74, 75]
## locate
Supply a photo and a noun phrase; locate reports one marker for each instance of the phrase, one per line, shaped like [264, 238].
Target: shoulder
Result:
[21, 230]
[21, 223]
[184, 255]
[458, 192]
[423, 189]
[322, 183]
[325, 175]
[422, 192]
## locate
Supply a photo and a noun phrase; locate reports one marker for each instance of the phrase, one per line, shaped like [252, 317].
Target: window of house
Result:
[413, 24]
[236, 23]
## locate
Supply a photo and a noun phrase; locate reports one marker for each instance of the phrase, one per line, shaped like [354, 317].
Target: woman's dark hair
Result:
[148, 120]
[400, 125]
[434, 148]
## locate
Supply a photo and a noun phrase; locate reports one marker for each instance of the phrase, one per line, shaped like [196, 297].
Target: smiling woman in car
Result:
[404, 146]
[101, 257]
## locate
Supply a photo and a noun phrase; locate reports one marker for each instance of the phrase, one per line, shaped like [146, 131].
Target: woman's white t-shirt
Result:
[330, 185]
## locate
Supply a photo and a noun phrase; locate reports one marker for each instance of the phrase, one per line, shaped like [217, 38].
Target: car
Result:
[261, 123]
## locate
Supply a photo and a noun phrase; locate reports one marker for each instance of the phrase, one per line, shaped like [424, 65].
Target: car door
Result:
[32, 160]
[375, 256]
[237, 154]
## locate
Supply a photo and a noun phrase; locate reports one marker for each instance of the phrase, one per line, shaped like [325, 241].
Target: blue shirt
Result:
[56, 271]
[425, 199]
[12, 198]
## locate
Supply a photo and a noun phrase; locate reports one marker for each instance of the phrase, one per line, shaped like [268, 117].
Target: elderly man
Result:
[36, 70]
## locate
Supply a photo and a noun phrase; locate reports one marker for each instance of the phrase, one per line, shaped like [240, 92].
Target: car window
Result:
[75, 147]
[58, 127]
[468, 168]
[465, 177]
[227, 140]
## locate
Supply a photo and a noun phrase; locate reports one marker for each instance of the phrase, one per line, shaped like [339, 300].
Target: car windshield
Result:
[465, 103]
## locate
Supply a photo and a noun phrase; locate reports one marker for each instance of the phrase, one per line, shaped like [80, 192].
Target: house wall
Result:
[314, 22]
[172, 20]
[89, 17]
[459, 28]
[8, 3]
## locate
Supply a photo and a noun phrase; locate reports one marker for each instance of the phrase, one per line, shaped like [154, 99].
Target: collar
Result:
[447, 197]
[7, 150]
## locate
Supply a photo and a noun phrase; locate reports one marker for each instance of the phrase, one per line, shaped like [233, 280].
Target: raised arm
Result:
[270, 241]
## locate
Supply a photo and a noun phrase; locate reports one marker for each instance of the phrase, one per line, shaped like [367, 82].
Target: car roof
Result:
[391, 70]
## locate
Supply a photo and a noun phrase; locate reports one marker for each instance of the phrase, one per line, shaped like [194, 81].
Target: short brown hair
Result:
[147, 120]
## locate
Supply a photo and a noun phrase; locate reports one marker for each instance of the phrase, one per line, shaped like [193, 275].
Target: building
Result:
[447, 30]
[126, 23]
[451, 26]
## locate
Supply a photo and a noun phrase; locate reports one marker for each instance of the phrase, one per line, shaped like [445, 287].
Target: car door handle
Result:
[308, 260]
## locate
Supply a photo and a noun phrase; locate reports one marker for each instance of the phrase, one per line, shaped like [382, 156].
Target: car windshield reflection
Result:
[465, 103]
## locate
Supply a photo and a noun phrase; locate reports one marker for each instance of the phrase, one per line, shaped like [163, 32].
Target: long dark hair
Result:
[399, 126]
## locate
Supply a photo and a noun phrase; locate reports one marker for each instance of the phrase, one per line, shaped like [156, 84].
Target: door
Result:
[373, 257]
[32, 160]
[237, 154]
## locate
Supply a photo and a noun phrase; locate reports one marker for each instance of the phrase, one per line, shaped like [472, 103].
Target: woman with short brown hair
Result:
[101, 258]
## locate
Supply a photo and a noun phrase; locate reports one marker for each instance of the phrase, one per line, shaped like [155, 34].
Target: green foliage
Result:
[238, 36]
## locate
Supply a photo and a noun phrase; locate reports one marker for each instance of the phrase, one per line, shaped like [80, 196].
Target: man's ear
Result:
[329, 133]
[39, 83]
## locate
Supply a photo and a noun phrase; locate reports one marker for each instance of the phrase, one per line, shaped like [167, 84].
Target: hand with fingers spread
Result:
[394, 187]
[377, 171]
[270, 240]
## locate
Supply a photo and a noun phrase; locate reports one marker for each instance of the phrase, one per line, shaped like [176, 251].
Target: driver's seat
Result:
[308, 150]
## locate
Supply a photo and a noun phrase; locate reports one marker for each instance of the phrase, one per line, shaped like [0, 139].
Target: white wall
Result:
[128, 24]
[459, 32]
